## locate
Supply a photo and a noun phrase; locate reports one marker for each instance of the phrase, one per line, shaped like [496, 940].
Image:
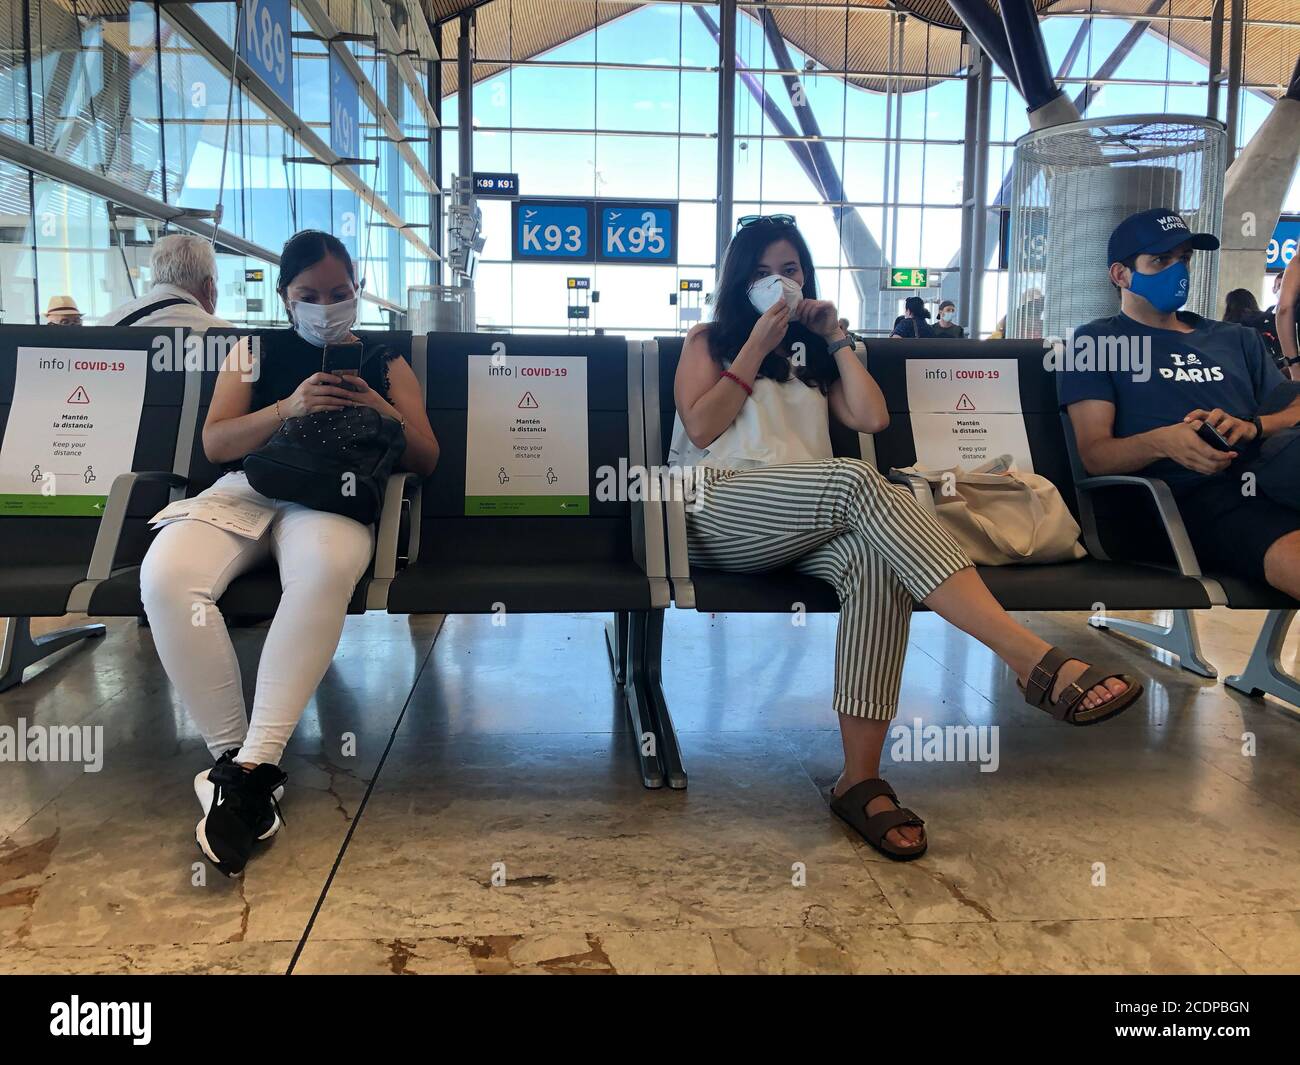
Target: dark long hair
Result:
[1239, 304]
[734, 316]
[304, 250]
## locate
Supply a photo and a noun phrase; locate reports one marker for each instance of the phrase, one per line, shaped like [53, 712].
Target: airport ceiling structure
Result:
[519, 30]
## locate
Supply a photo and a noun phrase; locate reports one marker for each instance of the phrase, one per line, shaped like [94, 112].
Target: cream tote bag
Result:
[1003, 519]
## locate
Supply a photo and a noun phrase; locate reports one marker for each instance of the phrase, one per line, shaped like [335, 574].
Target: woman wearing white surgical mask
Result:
[756, 389]
[320, 555]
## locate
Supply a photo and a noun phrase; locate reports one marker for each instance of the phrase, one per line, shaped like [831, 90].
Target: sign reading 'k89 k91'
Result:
[526, 437]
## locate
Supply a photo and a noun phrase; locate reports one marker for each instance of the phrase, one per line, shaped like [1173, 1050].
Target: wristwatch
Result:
[835, 345]
[1259, 427]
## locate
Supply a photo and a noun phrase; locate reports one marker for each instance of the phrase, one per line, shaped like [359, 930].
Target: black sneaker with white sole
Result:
[205, 790]
[241, 806]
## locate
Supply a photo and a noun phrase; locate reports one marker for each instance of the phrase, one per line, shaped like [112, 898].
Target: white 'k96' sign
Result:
[71, 430]
[966, 412]
[526, 440]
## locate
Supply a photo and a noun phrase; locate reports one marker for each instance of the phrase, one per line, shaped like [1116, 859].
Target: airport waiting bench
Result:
[429, 556]
[1130, 566]
[610, 560]
[44, 557]
[53, 565]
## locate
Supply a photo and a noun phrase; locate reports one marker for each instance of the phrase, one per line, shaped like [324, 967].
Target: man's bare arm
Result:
[1103, 452]
[1286, 313]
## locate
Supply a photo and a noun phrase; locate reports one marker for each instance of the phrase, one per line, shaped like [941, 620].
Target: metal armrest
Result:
[1166, 507]
[679, 561]
[918, 485]
[651, 556]
[390, 524]
[109, 535]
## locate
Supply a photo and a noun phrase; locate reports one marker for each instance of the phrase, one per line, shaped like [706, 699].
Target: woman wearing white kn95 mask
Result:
[756, 389]
[275, 385]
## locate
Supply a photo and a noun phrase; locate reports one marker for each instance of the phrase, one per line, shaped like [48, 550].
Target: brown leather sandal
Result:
[851, 808]
[1069, 706]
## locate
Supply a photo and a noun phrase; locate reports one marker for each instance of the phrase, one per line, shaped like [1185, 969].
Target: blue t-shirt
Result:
[1218, 364]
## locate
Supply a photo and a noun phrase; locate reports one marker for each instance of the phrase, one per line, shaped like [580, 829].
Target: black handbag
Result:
[333, 460]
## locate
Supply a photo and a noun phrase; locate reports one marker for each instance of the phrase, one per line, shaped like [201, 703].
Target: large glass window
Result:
[848, 114]
[626, 109]
[123, 91]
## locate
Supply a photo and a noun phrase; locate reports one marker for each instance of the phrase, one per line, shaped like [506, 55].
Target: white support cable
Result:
[230, 108]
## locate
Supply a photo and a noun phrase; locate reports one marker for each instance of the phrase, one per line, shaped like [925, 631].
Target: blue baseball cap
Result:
[1152, 232]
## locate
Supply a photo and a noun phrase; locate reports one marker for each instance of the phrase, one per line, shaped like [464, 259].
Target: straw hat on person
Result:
[61, 307]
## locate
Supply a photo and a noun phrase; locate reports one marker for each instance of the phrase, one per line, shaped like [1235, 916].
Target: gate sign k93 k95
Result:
[267, 45]
[593, 231]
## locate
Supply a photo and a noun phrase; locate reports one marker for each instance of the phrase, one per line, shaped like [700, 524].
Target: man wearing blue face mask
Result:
[1195, 402]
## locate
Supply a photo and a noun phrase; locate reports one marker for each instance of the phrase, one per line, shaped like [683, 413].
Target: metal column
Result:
[1028, 52]
[465, 98]
[966, 254]
[983, 25]
[726, 124]
[979, 218]
[1216, 60]
[1236, 42]
[436, 236]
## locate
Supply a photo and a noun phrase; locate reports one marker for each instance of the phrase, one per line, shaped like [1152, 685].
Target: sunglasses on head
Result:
[747, 220]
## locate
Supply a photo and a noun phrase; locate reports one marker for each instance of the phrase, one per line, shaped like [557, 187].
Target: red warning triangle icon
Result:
[964, 403]
[79, 396]
[528, 402]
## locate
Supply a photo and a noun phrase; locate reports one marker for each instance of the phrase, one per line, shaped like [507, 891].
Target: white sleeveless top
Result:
[781, 422]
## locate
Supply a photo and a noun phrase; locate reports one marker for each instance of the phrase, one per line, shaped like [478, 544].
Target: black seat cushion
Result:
[255, 594]
[1249, 595]
[1062, 586]
[453, 587]
[38, 590]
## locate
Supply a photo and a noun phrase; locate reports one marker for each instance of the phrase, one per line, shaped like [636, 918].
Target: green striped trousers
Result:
[842, 521]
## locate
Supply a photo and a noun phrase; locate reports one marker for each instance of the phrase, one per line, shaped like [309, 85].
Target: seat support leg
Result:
[21, 649]
[1264, 672]
[640, 709]
[616, 644]
[1178, 637]
[670, 753]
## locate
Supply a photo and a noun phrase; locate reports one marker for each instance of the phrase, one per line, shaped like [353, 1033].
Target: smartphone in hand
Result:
[1213, 437]
[342, 358]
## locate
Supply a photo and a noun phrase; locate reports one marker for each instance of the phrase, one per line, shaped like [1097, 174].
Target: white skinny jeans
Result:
[321, 557]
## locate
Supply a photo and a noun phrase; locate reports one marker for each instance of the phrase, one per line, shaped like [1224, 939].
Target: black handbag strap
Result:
[149, 308]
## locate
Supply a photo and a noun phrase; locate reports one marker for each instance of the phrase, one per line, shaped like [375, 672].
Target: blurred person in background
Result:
[62, 310]
[1239, 306]
[947, 326]
[914, 322]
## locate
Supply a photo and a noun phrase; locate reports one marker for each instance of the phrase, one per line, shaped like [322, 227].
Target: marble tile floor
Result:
[463, 799]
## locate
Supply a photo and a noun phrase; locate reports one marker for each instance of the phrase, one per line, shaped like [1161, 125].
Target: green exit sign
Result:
[909, 277]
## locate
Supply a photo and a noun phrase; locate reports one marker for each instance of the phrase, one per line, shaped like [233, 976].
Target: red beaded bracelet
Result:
[748, 391]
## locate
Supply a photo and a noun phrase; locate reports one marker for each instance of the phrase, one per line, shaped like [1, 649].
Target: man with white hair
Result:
[184, 291]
